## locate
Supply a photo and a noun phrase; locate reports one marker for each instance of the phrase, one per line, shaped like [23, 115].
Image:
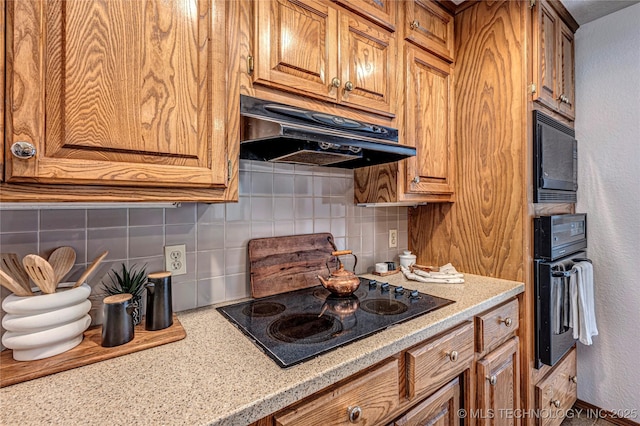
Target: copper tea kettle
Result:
[341, 282]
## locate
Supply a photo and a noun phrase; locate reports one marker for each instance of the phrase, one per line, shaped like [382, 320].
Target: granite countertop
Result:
[216, 375]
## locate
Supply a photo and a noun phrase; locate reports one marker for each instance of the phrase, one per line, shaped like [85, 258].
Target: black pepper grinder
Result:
[159, 310]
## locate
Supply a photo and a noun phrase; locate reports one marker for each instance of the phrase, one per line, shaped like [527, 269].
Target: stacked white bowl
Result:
[45, 325]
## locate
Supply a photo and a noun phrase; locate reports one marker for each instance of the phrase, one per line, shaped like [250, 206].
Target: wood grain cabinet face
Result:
[430, 26]
[494, 326]
[317, 50]
[375, 394]
[429, 123]
[119, 93]
[553, 57]
[440, 409]
[566, 79]
[432, 364]
[557, 392]
[382, 12]
[498, 384]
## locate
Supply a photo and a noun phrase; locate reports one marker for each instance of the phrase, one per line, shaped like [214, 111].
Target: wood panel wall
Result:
[484, 231]
[488, 230]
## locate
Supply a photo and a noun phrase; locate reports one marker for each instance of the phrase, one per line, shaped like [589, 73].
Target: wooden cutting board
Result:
[281, 264]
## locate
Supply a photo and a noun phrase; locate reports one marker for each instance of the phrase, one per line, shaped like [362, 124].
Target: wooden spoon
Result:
[14, 286]
[62, 260]
[40, 272]
[10, 264]
[90, 269]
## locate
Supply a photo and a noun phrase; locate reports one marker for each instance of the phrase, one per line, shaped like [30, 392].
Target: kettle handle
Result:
[342, 253]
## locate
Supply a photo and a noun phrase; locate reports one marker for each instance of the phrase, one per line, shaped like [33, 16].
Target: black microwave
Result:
[555, 161]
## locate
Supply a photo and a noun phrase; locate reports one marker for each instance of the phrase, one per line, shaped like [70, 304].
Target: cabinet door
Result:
[429, 123]
[296, 47]
[440, 409]
[429, 26]
[382, 12]
[545, 47]
[499, 384]
[368, 65]
[566, 82]
[119, 92]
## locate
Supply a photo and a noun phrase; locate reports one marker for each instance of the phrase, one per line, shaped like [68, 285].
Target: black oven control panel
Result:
[559, 235]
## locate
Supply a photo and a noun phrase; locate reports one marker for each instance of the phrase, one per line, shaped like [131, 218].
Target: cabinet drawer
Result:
[430, 365]
[375, 394]
[440, 409]
[495, 326]
[558, 391]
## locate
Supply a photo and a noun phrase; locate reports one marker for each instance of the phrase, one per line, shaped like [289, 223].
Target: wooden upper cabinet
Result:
[118, 93]
[368, 64]
[429, 123]
[553, 55]
[430, 26]
[296, 45]
[314, 49]
[498, 384]
[383, 12]
[566, 79]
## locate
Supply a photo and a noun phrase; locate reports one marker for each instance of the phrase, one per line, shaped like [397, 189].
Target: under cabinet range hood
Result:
[275, 132]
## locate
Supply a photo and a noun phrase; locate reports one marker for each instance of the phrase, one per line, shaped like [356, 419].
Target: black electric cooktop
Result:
[299, 325]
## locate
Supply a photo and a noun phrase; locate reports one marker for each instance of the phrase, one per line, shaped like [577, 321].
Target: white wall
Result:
[608, 133]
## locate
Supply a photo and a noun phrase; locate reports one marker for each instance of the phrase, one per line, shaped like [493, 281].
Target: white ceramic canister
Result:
[407, 259]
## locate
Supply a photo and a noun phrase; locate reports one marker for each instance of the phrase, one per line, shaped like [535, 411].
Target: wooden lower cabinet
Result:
[440, 409]
[557, 392]
[498, 384]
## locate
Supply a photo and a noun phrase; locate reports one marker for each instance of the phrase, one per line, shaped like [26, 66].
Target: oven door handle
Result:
[567, 274]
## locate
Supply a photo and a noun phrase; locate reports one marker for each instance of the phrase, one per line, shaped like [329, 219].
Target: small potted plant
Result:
[132, 281]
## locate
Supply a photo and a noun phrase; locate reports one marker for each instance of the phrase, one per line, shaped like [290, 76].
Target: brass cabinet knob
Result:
[556, 403]
[23, 150]
[416, 179]
[453, 355]
[335, 82]
[415, 24]
[492, 380]
[507, 321]
[573, 379]
[354, 413]
[348, 86]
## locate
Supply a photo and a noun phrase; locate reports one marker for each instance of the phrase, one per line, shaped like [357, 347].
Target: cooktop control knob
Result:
[384, 287]
[373, 284]
[414, 294]
[399, 290]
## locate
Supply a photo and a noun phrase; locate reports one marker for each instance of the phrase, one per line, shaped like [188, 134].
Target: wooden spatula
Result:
[62, 260]
[40, 272]
[90, 269]
[14, 286]
[10, 264]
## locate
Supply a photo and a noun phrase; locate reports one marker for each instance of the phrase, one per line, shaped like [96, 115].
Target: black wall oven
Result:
[559, 242]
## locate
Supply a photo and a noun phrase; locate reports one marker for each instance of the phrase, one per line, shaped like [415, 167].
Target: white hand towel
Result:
[583, 316]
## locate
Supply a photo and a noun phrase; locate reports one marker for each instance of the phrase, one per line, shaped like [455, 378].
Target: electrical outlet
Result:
[393, 238]
[175, 259]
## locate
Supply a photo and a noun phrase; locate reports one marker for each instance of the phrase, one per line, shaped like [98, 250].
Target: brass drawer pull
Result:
[335, 82]
[453, 355]
[556, 403]
[492, 380]
[23, 150]
[507, 321]
[415, 24]
[354, 413]
[573, 379]
[348, 86]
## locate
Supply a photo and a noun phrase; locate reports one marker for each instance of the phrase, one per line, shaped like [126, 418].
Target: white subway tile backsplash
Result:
[210, 291]
[210, 236]
[51, 220]
[210, 264]
[274, 200]
[19, 220]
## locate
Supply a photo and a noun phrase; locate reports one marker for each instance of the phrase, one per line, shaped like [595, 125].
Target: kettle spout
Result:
[323, 281]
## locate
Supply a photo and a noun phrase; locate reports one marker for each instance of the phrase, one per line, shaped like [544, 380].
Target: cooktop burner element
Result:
[299, 325]
[384, 307]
